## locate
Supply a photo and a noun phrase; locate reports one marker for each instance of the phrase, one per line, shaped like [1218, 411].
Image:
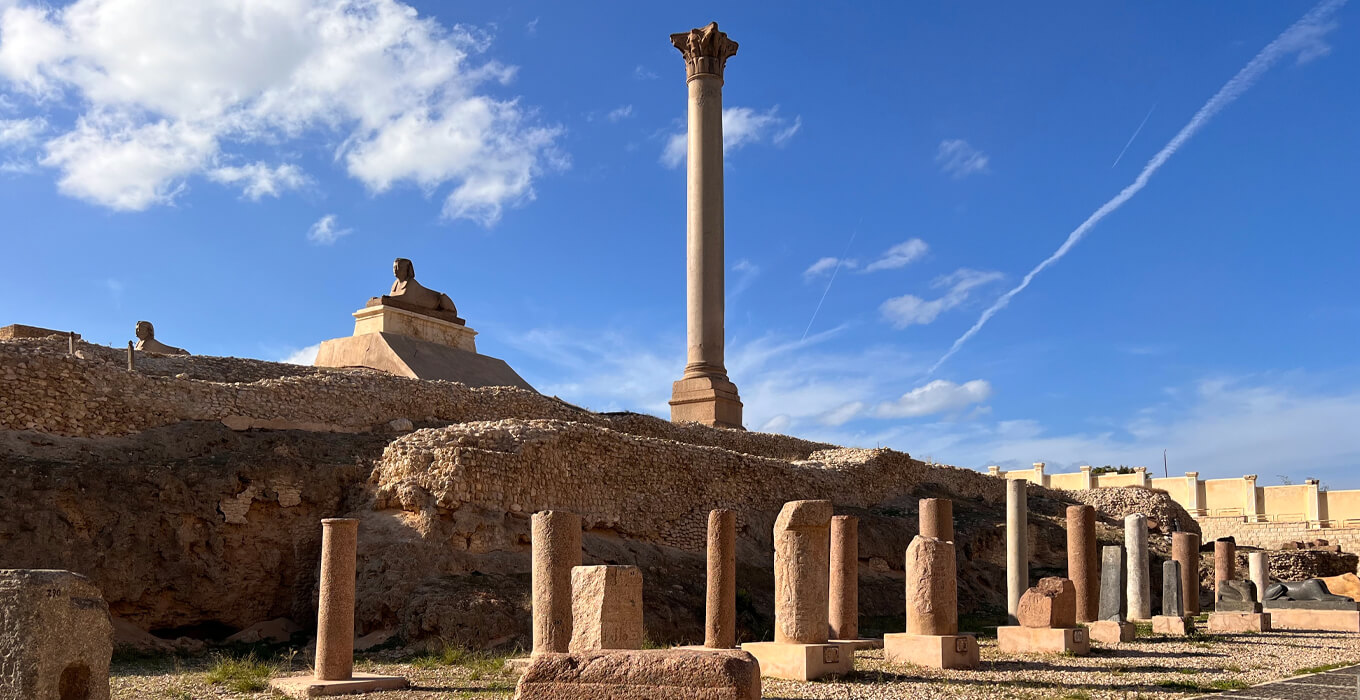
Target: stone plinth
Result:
[1081, 561]
[1138, 578]
[1304, 619]
[1040, 640]
[1017, 545]
[708, 400]
[720, 605]
[1112, 632]
[389, 319]
[555, 544]
[671, 674]
[1239, 622]
[843, 605]
[1172, 625]
[1185, 551]
[937, 518]
[606, 605]
[950, 651]
[56, 637]
[309, 687]
[802, 662]
[1052, 603]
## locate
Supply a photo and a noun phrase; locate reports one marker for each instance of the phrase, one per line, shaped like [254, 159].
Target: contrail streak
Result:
[839, 261]
[1131, 138]
[1292, 39]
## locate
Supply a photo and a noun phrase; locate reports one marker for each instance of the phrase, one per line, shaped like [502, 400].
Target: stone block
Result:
[1238, 622]
[708, 400]
[1172, 625]
[389, 319]
[606, 608]
[56, 637]
[951, 651]
[406, 356]
[668, 674]
[310, 687]
[1036, 640]
[1052, 603]
[1303, 619]
[802, 662]
[1112, 631]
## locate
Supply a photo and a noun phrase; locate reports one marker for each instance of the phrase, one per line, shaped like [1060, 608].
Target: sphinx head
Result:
[403, 269]
[145, 331]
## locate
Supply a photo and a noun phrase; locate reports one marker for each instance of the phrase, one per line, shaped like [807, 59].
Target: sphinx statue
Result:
[146, 341]
[1236, 596]
[409, 295]
[1310, 593]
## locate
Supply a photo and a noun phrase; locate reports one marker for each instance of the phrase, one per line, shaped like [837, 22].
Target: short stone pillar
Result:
[937, 519]
[1185, 551]
[1139, 576]
[1173, 620]
[654, 674]
[1258, 570]
[555, 542]
[606, 608]
[932, 638]
[1048, 622]
[56, 637]
[334, 668]
[1225, 563]
[1112, 627]
[1017, 546]
[1081, 561]
[720, 608]
[843, 604]
[800, 650]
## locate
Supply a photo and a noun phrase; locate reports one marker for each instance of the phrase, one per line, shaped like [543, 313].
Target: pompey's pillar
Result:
[704, 394]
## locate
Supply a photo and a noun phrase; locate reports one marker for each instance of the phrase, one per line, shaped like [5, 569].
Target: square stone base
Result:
[1172, 625]
[801, 662]
[1043, 640]
[956, 651]
[1111, 632]
[309, 687]
[1329, 620]
[860, 644]
[388, 319]
[708, 400]
[1232, 622]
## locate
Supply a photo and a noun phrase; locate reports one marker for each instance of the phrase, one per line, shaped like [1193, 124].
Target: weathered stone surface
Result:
[670, 674]
[1043, 640]
[146, 341]
[1173, 604]
[1138, 578]
[720, 603]
[1017, 545]
[937, 518]
[335, 607]
[1185, 550]
[1081, 561]
[606, 604]
[556, 544]
[1111, 633]
[1258, 570]
[1112, 590]
[801, 572]
[56, 637]
[1177, 626]
[1238, 622]
[1236, 596]
[932, 588]
[1052, 603]
[1225, 562]
[843, 605]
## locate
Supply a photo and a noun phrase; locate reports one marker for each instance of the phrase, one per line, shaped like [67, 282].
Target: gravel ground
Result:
[1153, 667]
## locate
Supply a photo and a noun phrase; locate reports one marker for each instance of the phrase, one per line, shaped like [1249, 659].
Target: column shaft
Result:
[1139, 576]
[704, 278]
[1258, 569]
[555, 541]
[1185, 550]
[720, 608]
[335, 607]
[937, 518]
[1017, 546]
[843, 604]
[1081, 561]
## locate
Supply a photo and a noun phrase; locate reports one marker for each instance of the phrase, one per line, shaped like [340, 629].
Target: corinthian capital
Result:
[705, 50]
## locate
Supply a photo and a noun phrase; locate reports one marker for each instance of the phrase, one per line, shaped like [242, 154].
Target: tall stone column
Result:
[1185, 550]
[843, 605]
[1225, 562]
[1258, 570]
[802, 572]
[1139, 576]
[555, 542]
[335, 609]
[937, 518]
[1017, 546]
[1081, 561]
[720, 609]
[704, 394]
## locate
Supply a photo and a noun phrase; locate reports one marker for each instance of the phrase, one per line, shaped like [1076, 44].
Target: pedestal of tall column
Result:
[704, 394]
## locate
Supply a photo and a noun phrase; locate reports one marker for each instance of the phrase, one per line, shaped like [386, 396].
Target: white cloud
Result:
[325, 231]
[258, 180]
[939, 396]
[900, 255]
[959, 159]
[21, 132]
[825, 266]
[843, 413]
[644, 73]
[741, 126]
[620, 113]
[303, 356]
[171, 90]
[910, 309]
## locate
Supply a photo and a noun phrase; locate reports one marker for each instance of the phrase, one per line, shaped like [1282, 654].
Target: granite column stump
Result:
[1081, 561]
[1139, 576]
[932, 638]
[1258, 570]
[720, 607]
[1017, 546]
[1225, 563]
[937, 519]
[843, 605]
[1112, 627]
[1173, 620]
[555, 549]
[1185, 551]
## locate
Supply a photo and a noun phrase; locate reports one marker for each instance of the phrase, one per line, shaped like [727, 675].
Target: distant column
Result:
[555, 541]
[1225, 562]
[1185, 550]
[1139, 586]
[1258, 568]
[720, 609]
[802, 540]
[1192, 488]
[937, 518]
[1081, 561]
[335, 607]
[843, 606]
[1017, 546]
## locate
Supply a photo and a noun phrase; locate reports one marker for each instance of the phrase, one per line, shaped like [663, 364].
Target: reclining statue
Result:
[410, 295]
[1309, 589]
[146, 341]
[1236, 596]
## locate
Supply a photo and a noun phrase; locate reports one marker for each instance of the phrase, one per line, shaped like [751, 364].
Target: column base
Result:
[1111, 632]
[801, 662]
[1236, 622]
[712, 401]
[951, 651]
[859, 644]
[1172, 626]
[1304, 619]
[310, 687]
[1043, 640]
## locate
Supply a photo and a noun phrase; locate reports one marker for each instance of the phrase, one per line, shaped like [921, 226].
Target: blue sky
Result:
[242, 174]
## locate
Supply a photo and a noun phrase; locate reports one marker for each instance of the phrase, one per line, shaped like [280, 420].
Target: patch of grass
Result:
[1143, 629]
[1318, 669]
[1229, 684]
[1187, 671]
[1232, 668]
[1076, 695]
[242, 674]
[1190, 686]
[480, 665]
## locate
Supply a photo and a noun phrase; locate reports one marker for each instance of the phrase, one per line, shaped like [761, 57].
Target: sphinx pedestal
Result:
[1314, 619]
[1238, 622]
[1111, 632]
[1043, 640]
[708, 400]
[952, 651]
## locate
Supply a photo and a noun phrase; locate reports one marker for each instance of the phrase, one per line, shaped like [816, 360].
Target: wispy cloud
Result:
[741, 126]
[959, 159]
[746, 273]
[826, 266]
[900, 255]
[618, 114]
[938, 396]
[909, 309]
[1302, 37]
[644, 73]
[21, 132]
[302, 356]
[326, 231]
[1136, 132]
[258, 179]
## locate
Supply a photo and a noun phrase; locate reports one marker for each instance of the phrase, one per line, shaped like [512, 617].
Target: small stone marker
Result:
[1048, 622]
[131, 364]
[932, 638]
[720, 606]
[606, 604]
[56, 637]
[1112, 627]
[1138, 581]
[1185, 550]
[1172, 621]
